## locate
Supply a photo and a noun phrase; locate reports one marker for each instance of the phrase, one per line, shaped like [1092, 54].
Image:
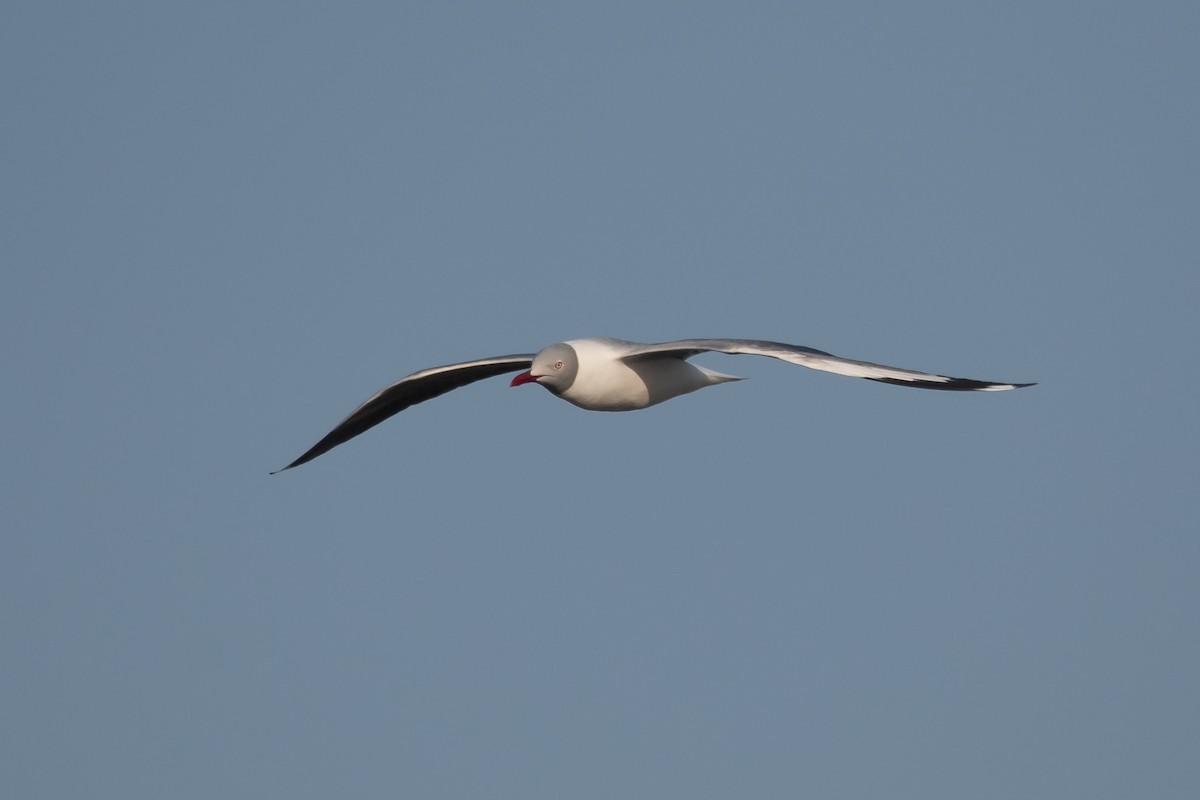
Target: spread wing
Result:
[416, 388]
[816, 359]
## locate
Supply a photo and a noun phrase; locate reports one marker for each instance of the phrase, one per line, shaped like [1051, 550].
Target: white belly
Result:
[605, 383]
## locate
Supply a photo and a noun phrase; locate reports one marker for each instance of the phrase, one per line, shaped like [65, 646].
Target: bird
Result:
[605, 374]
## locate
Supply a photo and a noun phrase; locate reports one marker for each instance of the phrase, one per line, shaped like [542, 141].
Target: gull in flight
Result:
[602, 374]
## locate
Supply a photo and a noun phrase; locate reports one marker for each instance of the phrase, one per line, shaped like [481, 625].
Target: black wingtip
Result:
[304, 459]
[954, 384]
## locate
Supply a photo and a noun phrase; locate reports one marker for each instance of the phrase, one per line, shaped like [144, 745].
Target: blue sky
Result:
[226, 225]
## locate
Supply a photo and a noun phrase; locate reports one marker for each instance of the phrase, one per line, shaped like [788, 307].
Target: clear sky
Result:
[226, 224]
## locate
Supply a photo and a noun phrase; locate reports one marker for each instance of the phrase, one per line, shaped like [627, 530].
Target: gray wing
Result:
[416, 388]
[816, 359]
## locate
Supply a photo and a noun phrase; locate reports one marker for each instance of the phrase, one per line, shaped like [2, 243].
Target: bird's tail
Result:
[715, 377]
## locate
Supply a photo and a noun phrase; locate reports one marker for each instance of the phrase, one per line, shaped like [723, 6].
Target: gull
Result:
[603, 374]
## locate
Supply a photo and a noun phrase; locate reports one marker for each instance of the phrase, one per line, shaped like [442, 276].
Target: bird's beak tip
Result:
[524, 377]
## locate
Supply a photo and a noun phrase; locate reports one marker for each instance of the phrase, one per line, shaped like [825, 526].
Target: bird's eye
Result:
[558, 365]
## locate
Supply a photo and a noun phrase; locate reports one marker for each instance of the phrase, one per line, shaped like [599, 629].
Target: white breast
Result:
[606, 383]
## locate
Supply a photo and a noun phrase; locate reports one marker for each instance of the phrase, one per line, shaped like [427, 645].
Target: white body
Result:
[605, 382]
